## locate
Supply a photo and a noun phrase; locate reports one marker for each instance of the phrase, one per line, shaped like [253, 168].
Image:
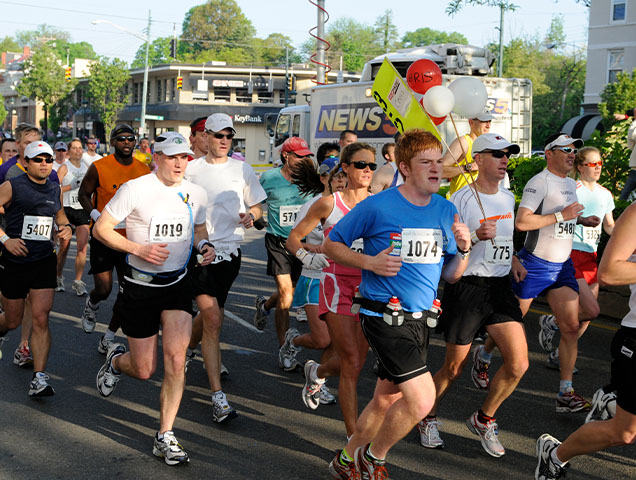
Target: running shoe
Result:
[39, 386]
[571, 402]
[189, 357]
[554, 362]
[603, 406]
[22, 356]
[2, 339]
[89, 318]
[107, 378]
[429, 433]
[547, 331]
[224, 370]
[79, 288]
[288, 351]
[104, 345]
[60, 285]
[311, 390]
[221, 410]
[260, 317]
[487, 435]
[343, 472]
[546, 468]
[479, 371]
[301, 315]
[370, 469]
[326, 397]
[169, 449]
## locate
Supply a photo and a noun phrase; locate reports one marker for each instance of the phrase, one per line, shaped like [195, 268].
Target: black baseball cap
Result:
[121, 128]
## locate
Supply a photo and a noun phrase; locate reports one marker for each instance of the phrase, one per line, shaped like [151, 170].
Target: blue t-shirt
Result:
[385, 219]
[283, 202]
[598, 202]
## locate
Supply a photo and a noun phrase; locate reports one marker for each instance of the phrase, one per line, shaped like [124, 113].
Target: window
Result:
[201, 91]
[616, 60]
[282, 129]
[159, 90]
[296, 126]
[265, 97]
[243, 95]
[221, 94]
[136, 92]
[618, 10]
[173, 89]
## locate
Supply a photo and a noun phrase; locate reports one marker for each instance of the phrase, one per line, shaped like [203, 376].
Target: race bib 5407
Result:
[36, 228]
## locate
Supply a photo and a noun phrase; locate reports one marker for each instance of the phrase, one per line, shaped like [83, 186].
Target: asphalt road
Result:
[78, 434]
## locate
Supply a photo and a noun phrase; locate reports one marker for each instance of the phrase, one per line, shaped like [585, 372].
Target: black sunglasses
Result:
[122, 138]
[363, 165]
[40, 159]
[498, 153]
[219, 136]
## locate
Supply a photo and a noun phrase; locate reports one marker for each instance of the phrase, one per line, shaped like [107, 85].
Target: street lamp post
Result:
[146, 38]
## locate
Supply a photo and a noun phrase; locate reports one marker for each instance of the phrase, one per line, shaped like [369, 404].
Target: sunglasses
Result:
[123, 138]
[42, 159]
[363, 165]
[567, 150]
[219, 136]
[497, 153]
[594, 164]
[91, 143]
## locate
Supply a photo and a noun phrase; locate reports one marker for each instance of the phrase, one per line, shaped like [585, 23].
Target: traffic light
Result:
[179, 83]
[290, 83]
[67, 74]
[173, 48]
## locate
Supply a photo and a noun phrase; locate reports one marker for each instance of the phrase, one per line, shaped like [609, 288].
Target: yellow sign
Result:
[398, 102]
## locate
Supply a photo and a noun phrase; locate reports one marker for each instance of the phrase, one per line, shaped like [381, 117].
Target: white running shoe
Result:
[326, 397]
[260, 316]
[104, 345]
[479, 370]
[288, 351]
[39, 386]
[603, 406]
[547, 331]
[89, 318]
[301, 315]
[487, 433]
[311, 390]
[169, 449]
[221, 410]
[224, 370]
[546, 468]
[107, 378]
[429, 433]
[79, 288]
[60, 285]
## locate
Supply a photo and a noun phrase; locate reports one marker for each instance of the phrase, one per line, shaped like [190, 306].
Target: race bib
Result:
[74, 199]
[357, 245]
[168, 229]
[592, 236]
[287, 215]
[224, 253]
[36, 228]
[422, 245]
[500, 253]
[564, 230]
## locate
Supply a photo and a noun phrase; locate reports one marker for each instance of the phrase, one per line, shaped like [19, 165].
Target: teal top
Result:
[598, 202]
[283, 202]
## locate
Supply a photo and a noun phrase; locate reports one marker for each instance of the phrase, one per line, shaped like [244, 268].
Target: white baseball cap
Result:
[172, 143]
[485, 116]
[493, 141]
[34, 149]
[219, 121]
[562, 140]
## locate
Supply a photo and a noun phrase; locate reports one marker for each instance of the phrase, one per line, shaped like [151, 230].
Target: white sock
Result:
[313, 375]
[109, 335]
[484, 356]
[555, 459]
[91, 305]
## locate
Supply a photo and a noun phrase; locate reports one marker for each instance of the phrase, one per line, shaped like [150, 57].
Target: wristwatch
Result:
[464, 253]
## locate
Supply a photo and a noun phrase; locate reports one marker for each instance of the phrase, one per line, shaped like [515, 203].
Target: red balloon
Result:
[423, 74]
[435, 120]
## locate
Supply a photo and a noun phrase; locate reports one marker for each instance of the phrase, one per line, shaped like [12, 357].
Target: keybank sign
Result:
[366, 119]
[248, 118]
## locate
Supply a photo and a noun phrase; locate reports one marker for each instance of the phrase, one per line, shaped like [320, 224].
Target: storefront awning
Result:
[583, 126]
[187, 112]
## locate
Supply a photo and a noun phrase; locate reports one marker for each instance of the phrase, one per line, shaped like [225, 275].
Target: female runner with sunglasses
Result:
[598, 203]
[337, 286]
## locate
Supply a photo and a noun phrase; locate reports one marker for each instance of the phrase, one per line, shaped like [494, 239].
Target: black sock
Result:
[482, 417]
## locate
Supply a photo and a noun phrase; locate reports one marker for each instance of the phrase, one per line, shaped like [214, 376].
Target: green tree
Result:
[42, 34]
[386, 31]
[454, 6]
[3, 111]
[271, 50]
[8, 44]
[216, 30]
[618, 96]
[106, 90]
[158, 53]
[73, 50]
[428, 36]
[44, 79]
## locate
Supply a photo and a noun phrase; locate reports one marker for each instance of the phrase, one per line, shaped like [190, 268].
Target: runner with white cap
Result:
[165, 218]
[33, 204]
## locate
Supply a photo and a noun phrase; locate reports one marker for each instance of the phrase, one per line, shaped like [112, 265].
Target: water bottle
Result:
[355, 307]
[434, 313]
[393, 314]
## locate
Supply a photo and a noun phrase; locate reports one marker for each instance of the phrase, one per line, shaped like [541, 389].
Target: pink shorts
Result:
[336, 294]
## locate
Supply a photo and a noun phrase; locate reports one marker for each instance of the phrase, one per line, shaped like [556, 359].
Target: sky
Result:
[291, 17]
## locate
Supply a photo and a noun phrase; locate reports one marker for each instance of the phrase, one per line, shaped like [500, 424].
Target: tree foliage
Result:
[3, 111]
[454, 6]
[44, 79]
[8, 44]
[428, 36]
[73, 50]
[386, 32]
[618, 96]
[106, 90]
[42, 34]
[158, 53]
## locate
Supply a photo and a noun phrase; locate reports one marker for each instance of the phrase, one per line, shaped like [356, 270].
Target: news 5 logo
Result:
[498, 106]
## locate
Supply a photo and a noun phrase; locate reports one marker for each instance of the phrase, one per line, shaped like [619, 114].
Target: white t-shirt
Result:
[89, 159]
[56, 166]
[73, 178]
[546, 194]
[486, 259]
[599, 202]
[156, 213]
[315, 237]
[232, 188]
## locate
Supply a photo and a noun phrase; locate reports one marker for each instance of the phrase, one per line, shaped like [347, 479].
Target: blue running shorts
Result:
[543, 276]
[307, 292]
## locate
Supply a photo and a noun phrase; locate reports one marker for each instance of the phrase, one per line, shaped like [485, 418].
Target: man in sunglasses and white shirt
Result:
[234, 197]
[549, 212]
[91, 155]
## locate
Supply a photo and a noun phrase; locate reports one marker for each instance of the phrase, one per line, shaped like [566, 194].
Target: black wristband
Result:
[463, 252]
[70, 226]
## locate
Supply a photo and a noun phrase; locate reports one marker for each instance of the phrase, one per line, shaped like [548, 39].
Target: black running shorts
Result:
[279, 260]
[216, 280]
[401, 351]
[77, 216]
[140, 307]
[103, 258]
[476, 302]
[16, 279]
[624, 368]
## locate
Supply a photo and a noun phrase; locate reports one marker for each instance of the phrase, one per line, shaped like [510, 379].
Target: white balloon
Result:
[438, 101]
[470, 96]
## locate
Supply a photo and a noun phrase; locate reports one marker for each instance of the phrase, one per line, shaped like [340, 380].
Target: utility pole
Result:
[501, 39]
[320, 45]
[286, 76]
[142, 126]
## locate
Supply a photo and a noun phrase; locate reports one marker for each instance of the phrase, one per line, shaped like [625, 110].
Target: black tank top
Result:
[34, 199]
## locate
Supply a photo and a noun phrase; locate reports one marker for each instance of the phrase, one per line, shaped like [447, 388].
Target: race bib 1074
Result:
[422, 245]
